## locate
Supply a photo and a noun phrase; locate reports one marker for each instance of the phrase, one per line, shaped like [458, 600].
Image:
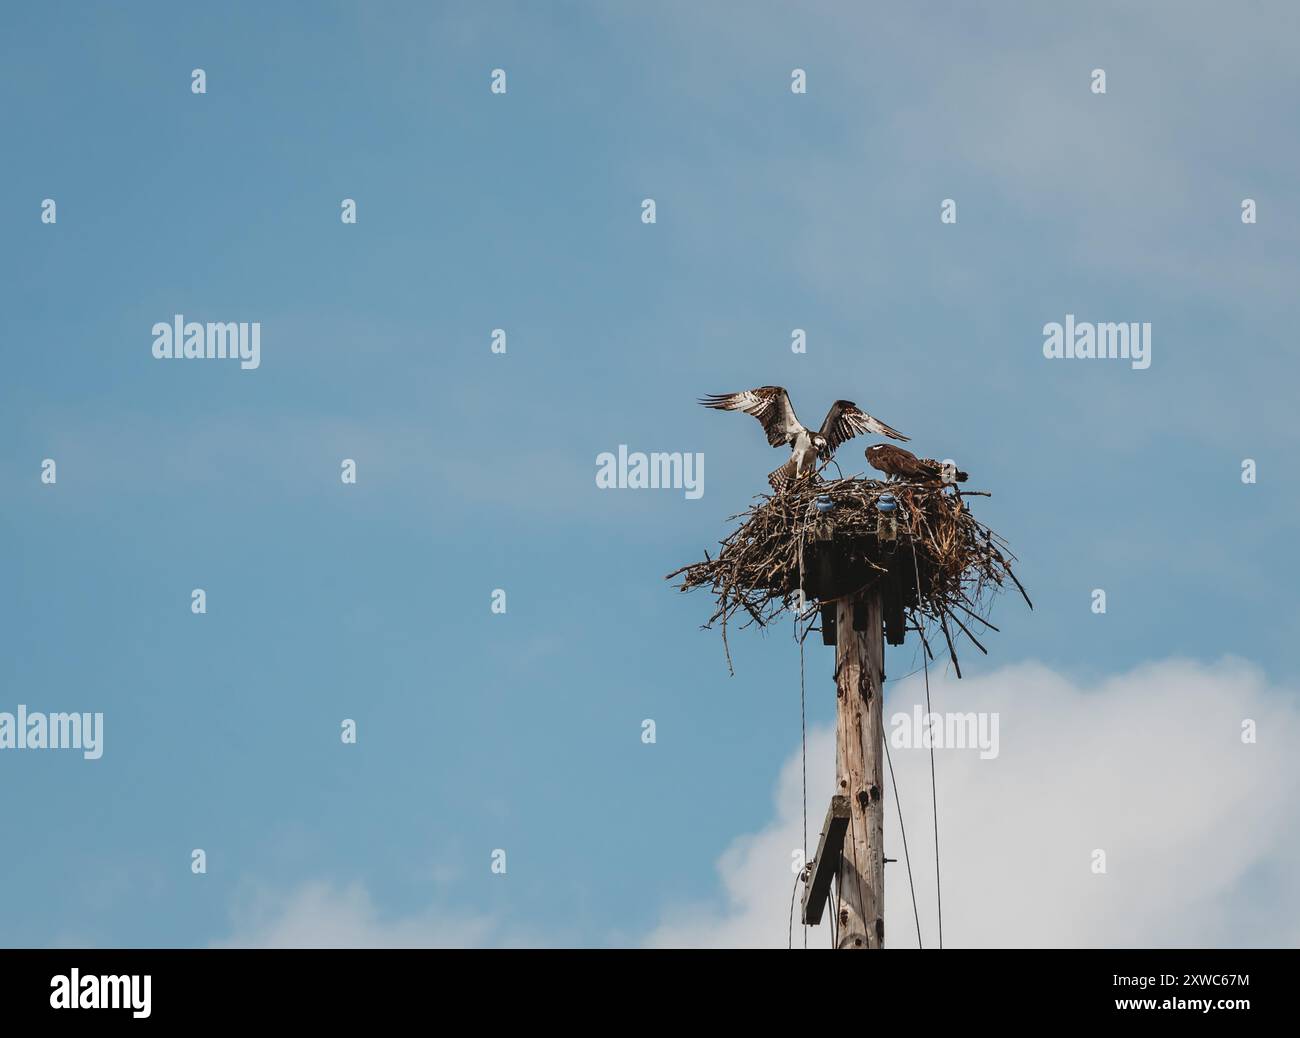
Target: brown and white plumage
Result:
[903, 464]
[771, 406]
[846, 420]
[785, 475]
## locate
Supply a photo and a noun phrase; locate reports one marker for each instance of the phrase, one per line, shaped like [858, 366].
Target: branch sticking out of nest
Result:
[917, 543]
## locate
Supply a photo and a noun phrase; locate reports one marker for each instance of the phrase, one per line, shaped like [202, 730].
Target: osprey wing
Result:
[846, 420]
[769, 404]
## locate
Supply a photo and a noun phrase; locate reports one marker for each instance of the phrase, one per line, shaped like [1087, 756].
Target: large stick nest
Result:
[934, 564]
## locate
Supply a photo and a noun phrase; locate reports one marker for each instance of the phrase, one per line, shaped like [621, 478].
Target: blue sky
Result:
[476, 471]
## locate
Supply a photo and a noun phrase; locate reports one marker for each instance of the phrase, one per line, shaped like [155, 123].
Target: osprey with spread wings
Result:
[771, 406]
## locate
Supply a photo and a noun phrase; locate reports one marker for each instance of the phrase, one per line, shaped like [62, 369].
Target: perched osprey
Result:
[771, 406]
[894, 461]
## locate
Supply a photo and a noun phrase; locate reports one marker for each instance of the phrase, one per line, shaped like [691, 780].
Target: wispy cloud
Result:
[319, 914]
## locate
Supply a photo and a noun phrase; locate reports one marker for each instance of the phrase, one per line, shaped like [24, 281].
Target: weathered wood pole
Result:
[859, 734]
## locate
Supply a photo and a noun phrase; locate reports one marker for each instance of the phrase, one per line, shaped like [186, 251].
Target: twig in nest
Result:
[972, 637]
[948, 638]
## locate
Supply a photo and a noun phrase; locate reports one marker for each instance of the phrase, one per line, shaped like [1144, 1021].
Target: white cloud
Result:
[1200, 830]
[322, 915]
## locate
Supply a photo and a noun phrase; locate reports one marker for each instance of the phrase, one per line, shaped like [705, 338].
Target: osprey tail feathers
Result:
[784, 476]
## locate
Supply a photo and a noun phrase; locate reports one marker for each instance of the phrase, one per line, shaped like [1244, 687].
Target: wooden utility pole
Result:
[859, 735]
